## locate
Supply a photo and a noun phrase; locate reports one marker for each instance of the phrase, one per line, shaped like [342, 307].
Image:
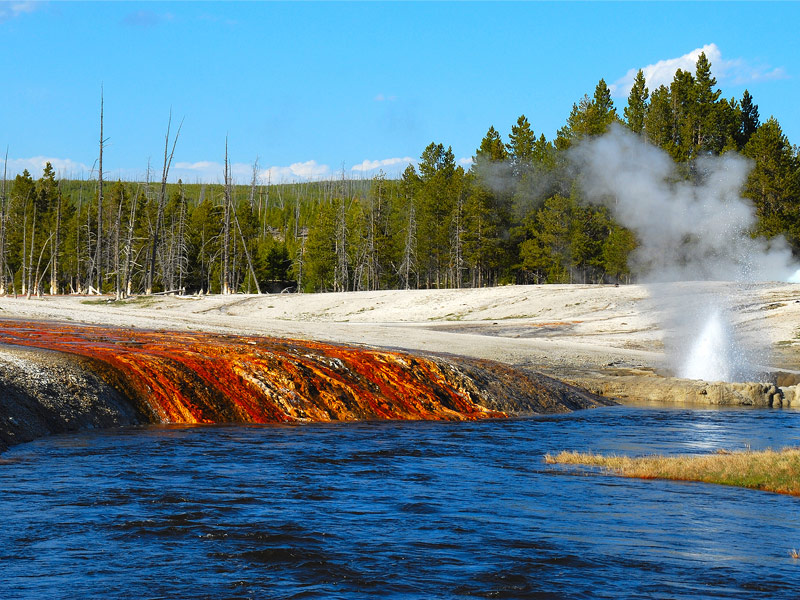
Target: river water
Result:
[395, 510]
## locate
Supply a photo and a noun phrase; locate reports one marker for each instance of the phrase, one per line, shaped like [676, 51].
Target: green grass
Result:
[768, 470]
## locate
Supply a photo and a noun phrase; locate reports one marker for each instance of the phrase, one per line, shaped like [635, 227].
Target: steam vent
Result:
[62, 377]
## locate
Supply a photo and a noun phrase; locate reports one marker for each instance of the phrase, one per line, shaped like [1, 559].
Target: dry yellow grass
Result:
[768, 470]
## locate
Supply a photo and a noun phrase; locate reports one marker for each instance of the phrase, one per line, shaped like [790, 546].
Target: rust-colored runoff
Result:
[177, 377]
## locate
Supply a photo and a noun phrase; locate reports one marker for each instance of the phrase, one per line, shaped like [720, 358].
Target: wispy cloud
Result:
[210, 171]
[65, 167]
[384, 98]
[393, 164]
[10, 10]
[299, 171]
[737, 71]
[145, 18]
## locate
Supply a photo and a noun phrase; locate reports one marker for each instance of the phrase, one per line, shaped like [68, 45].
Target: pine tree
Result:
[520, 147]
[774, 182]
[748, 120]
[658, 121]
[636, 111]
[437, 192]
[589, 117]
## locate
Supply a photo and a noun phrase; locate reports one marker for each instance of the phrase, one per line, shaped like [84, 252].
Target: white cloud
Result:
[299, 171]
[466, 162]
[65, 167]
[9, 10]
[209, 171]
[372, 165]
[202, 165]
[384, 98]
[737, 71]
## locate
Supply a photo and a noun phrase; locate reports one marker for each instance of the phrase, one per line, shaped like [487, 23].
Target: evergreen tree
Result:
[589, 117]
[748, 120]
[636, 110]
[658, 120]
[774, 182]
[521, 147]
[616, 249]
[437, 192]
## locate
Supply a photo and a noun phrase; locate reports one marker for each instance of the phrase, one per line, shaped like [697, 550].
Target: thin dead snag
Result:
[98, 249]
[226, 231]
[3, 213]
[162, 199]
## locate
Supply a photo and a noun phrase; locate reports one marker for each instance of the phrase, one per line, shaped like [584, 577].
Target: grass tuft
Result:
[767, 470]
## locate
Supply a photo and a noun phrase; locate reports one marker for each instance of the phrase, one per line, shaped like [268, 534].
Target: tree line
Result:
[515, 216]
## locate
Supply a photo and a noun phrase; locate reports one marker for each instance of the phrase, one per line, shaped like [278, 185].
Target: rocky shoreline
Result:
[43, 392]
[643, 385]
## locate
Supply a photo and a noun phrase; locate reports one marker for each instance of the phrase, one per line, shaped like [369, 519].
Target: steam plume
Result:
[695, 231]
[687, 230]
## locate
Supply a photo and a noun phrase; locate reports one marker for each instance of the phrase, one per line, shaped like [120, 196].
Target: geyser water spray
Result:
[688, 231]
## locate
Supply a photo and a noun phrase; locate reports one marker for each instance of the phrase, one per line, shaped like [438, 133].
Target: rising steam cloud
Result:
[687, 230]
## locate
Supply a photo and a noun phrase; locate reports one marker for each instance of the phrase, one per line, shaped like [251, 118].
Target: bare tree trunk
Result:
[129, 245]
[300, 262]
[253, 184]
[24, 278]
[98, 256]
[408, 248]
[247, 253]
[79, 282]
[226, 232]
[162, 199]
[182, 261]
[40, 278]
[118, 283]
[56, 249]
[457, 256]
[341, 272]
[3, 212]
[30, 256]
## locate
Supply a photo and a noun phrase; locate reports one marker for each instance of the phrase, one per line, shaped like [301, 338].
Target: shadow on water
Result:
[395, 510]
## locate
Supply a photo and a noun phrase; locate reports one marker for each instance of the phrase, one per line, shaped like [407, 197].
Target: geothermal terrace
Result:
[558, 328]
[475, 353]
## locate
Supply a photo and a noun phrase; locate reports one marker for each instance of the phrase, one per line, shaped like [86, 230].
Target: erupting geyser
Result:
[713, 355]
[693, 227]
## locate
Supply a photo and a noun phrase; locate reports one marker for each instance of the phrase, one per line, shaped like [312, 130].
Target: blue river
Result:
[395, 510]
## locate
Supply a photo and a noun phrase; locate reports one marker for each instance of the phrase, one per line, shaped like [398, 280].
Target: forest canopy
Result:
[517, 215]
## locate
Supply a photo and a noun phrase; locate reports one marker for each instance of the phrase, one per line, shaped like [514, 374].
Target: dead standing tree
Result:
[3, 213]
[162, 200]
[226, 227]
[56, 247]
[98, 250]
[253, 275]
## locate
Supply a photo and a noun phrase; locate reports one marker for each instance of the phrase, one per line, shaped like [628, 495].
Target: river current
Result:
[395, 510]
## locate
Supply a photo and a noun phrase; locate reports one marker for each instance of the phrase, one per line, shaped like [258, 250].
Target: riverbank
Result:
[609, 340]
[767, 470]
[57, 377]
[591, 335]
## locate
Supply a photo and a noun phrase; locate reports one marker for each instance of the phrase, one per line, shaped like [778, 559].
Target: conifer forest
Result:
[515, 216]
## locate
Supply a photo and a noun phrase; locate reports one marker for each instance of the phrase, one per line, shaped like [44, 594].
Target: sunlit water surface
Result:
[394, 510]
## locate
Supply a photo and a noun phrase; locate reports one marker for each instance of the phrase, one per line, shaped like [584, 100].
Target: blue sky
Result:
[311, 88]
